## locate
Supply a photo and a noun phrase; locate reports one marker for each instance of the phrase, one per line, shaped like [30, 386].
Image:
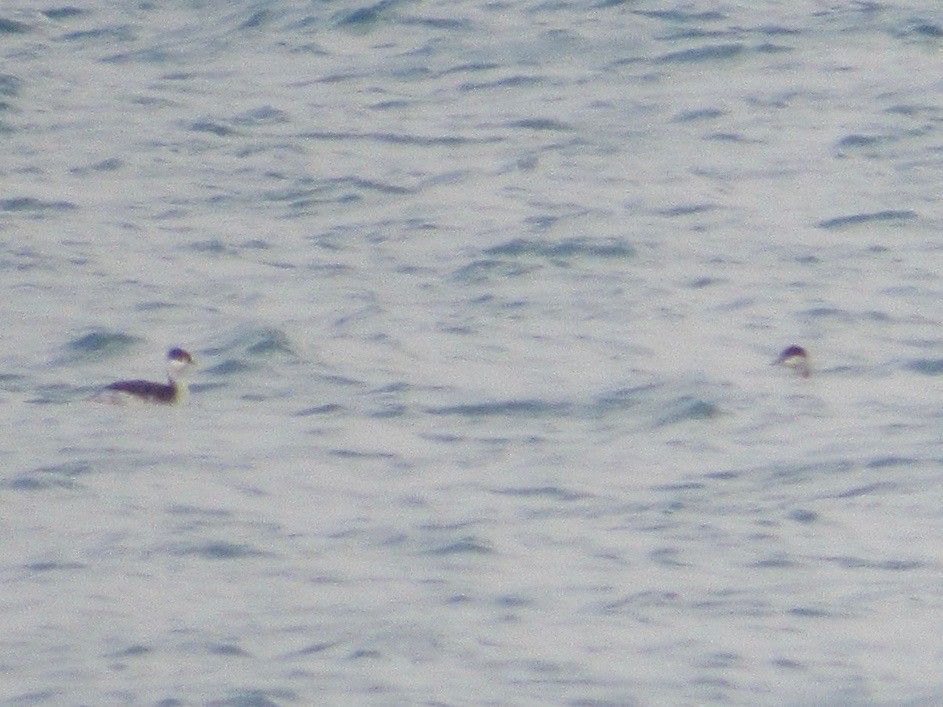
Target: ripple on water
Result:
[522, 256]
[365, 18]
[264, 342]
[926, 366]
[56, 476]
[329, 409]
[36, 206]
[248, 348]
[653, 405]
[662, 404]
[503, 408]
[9, 86]
[100, 343]
[550, 493]
[218, 550]
[13, 27]
[686, 408]
[875, 217]
[710, 52]
[857, 563]
[466, 545]
[565, 249]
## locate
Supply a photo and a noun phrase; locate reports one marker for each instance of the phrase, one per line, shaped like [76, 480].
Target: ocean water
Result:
[484, 297]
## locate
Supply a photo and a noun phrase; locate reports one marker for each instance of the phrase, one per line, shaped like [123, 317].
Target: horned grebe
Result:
[796, 358]
[174, 391]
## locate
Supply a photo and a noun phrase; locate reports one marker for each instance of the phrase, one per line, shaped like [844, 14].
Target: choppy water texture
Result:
[484, 297]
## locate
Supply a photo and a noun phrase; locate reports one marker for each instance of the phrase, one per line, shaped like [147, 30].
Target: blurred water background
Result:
[484, 296]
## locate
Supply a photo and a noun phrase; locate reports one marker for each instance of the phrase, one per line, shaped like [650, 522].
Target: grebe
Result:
[796, 358]
[174, 391]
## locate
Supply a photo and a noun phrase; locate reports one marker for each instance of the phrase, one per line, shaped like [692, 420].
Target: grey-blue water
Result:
[484, 297]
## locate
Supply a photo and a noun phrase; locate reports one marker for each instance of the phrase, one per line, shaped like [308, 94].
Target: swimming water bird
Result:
[174, 391]
[796, 358]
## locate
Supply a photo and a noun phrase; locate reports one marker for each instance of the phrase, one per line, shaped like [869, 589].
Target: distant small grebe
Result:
[796, 358]
[175, 391]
